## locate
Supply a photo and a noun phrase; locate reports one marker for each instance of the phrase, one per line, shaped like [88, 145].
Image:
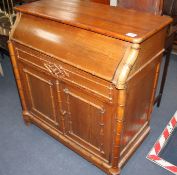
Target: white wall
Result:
[113, 2]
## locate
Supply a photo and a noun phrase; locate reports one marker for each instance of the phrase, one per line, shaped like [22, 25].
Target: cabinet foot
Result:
[114, 171]
[26, 118]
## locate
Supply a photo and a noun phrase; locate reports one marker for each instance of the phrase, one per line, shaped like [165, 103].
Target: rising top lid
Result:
[116, 22]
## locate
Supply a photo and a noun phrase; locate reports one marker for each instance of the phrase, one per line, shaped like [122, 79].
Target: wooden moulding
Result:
[18, 81]
[119, 118]
[125, 67]
[120, 79]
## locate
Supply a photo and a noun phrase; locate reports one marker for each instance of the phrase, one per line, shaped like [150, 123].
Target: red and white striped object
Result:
[154, 153]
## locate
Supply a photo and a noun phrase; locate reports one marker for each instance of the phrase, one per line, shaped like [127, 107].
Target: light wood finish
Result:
[83, 80]
[93, 18]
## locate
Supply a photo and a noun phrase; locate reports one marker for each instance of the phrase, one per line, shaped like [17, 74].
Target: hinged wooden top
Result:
[128, 25]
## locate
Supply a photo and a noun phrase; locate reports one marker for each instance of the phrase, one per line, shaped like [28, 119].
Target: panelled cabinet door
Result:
[86, 120]
[41, 95]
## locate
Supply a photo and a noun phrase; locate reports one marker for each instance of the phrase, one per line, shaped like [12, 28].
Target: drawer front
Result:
[50, 65]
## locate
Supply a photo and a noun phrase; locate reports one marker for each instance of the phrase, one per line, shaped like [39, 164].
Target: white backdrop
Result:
[113, 2]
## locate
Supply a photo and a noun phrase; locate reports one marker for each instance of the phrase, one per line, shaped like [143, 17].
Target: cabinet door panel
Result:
[40, 91]
[87, 121]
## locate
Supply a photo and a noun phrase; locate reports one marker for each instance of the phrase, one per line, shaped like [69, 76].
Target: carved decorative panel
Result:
[56, 70]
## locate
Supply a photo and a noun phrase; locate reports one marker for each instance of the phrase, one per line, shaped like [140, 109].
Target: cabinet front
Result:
[83, 115]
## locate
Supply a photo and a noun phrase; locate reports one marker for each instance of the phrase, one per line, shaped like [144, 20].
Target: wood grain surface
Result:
[112, 21]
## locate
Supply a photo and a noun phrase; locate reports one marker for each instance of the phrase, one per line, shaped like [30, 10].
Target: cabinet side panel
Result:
[139, 102]
[141, 87]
